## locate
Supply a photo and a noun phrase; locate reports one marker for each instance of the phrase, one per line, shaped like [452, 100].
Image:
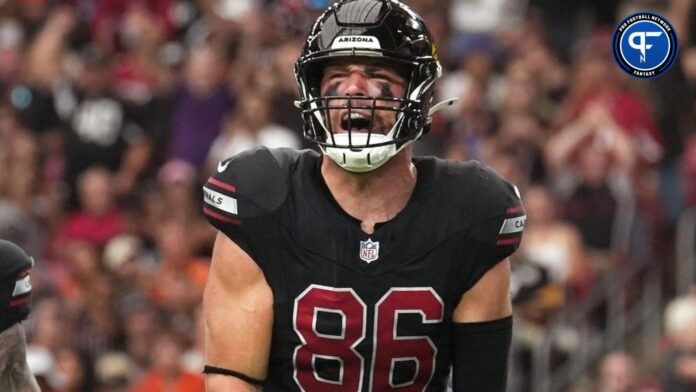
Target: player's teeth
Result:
[355, 116]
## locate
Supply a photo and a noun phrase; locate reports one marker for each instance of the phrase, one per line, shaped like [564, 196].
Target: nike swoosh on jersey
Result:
[222, 167]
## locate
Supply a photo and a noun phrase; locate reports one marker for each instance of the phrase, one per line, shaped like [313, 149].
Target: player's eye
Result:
[379, 74]
[334, 75]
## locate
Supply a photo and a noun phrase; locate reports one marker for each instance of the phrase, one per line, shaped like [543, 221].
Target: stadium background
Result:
[112, 112]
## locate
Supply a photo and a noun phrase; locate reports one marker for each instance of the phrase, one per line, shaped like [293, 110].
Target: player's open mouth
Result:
[356, 121]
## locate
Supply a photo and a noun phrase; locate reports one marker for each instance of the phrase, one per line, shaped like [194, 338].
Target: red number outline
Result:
[396, 337]
[345, 321]
[435, 315]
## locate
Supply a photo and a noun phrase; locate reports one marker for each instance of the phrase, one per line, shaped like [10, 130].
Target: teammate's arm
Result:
[14, 370]
[238, 309]
[482, 332]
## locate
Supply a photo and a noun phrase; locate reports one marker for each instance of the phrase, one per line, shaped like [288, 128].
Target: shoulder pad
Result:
[490, 210]
[485, 192]
[248, 185]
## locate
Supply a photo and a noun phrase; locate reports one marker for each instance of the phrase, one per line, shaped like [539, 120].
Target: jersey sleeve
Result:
[497, 232]
[242, 191]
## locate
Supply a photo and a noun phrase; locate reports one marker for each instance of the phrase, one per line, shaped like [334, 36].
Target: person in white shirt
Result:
[250, 126]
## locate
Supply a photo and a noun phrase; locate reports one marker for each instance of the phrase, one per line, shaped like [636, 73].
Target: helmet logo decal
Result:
[22, 286]
[356, 41]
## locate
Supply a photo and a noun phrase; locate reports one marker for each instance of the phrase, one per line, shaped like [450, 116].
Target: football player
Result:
[362, 268]
[15, 296]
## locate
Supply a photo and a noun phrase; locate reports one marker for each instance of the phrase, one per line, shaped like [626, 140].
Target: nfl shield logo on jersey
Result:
[369, 251]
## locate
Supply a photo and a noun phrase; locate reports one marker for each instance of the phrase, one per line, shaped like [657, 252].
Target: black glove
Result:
[15, 286]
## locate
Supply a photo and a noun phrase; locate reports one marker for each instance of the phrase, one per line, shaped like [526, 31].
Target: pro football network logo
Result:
[369, 250]
[645, 45]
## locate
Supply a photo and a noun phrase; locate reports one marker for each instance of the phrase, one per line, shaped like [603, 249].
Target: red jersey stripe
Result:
[220, 216]
[509, 241]
[222, 185]
[20, 301]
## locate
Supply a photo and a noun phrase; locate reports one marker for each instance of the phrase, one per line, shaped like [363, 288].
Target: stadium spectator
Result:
[591, 162]
[22, 207]
[472, 123]
[113, 372]
[166, 373]
[596, 83]
[688, 171]
[176, 283]
[554, 244]
[521, 136]
[50, 332]
[99, 218]
[137, 71]
[174, 196]
[474, 22]
[12, 46]
[284, 92]
[72, 372]
[110, 22]
[678, 371]
[199, 106]
[536, 298]
[194, 358]
[141, 326]
[618, 372]
[97, 127]
[521, 94]
[251, 127]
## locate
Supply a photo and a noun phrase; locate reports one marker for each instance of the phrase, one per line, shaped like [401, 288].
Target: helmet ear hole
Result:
[423, 71]
[415, 123]
[428, 70]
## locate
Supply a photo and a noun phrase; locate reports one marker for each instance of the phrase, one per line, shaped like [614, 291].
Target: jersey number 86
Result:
[388, 347]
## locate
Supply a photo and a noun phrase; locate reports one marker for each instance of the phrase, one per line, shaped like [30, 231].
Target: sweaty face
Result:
[358, 81]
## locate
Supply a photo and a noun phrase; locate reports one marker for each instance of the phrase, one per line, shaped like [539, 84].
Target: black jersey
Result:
[359, 312]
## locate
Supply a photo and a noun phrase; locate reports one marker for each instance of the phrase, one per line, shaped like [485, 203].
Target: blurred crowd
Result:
[113, 113]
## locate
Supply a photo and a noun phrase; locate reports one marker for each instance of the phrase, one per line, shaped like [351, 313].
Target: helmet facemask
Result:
[361, 132]
[386, 33]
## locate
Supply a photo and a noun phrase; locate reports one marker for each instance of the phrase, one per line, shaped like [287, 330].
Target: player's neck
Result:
[375, 196]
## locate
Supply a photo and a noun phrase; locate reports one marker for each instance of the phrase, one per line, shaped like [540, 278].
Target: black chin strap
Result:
[227, 372]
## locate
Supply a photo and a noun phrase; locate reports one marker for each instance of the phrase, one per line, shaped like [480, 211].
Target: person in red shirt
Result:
[99, 218]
